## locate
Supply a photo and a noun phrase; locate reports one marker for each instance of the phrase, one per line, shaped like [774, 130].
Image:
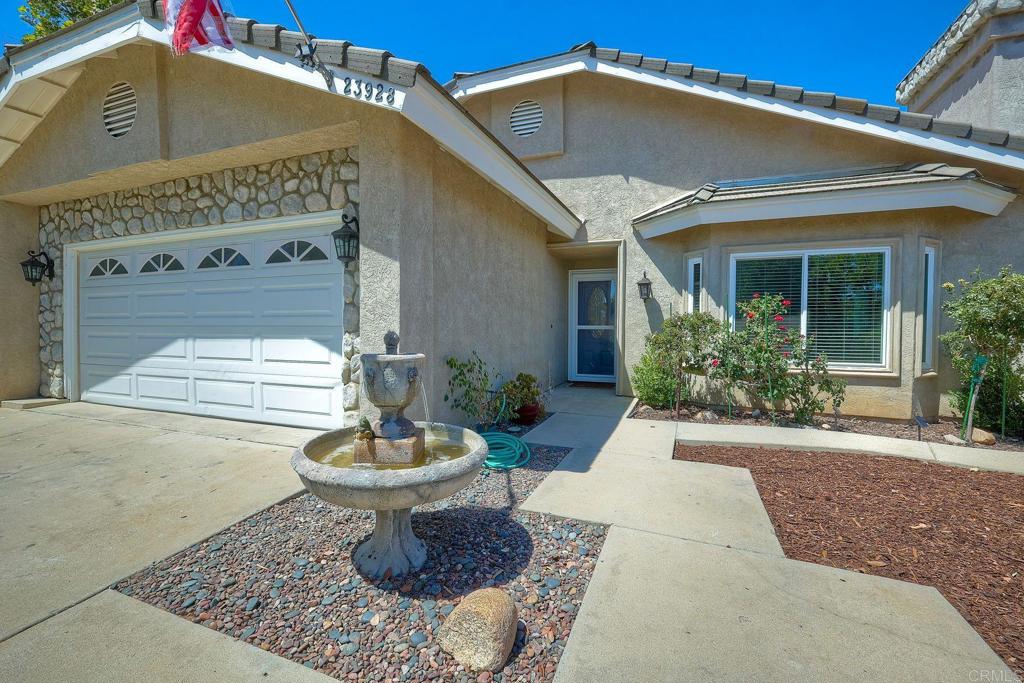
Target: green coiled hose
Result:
[505, 452]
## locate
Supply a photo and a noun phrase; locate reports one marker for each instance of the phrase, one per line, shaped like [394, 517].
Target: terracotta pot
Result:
[527, 415]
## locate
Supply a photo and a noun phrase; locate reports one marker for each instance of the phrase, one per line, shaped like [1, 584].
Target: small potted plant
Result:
[523, 397]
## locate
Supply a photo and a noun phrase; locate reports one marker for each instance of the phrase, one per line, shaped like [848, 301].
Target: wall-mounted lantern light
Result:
[644, 285]
[36, 266]
[346, 239]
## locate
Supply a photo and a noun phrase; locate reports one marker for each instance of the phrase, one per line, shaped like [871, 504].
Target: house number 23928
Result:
[366, 90]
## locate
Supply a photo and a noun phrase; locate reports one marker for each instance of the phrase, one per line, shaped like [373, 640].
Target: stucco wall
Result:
[983, 82]
[194, 116]
[455, 266]
[19, 374]
[630, 147]
[286, 187]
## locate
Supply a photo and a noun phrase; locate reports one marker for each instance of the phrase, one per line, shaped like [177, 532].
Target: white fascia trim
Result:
[555, 67]
[103, 35]
[530, 72]
[442, 120]
[965, 194]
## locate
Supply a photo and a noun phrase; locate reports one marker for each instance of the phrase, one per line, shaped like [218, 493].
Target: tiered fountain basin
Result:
[451, 460]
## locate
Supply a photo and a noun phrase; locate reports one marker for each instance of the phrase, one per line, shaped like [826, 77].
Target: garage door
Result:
[240, 327]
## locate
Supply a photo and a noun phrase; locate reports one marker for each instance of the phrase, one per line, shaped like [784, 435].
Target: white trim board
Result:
[965, 194]
[562, 65]
[425, 104]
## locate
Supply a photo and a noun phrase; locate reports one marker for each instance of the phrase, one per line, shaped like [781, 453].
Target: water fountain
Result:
[392, 465]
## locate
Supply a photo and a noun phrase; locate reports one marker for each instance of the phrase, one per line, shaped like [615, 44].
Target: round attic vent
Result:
[119, 109]
[526, 118]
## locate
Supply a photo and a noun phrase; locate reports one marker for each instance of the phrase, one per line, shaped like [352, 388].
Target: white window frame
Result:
[928, 349]
[694, 294]
[886, 251]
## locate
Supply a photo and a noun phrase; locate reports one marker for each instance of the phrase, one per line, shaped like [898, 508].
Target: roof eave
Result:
[972, 195]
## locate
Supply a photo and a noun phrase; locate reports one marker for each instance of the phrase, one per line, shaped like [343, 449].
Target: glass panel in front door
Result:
[595, 328]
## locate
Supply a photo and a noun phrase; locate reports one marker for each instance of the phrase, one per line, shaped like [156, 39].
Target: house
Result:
[189, 205]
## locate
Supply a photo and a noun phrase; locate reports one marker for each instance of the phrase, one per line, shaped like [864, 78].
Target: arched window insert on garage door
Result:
[161, 263]
[295, 251]
[107, 267]
[223, 257]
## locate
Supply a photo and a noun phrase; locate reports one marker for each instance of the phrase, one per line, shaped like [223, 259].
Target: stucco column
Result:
[19, 343]
[396, 251]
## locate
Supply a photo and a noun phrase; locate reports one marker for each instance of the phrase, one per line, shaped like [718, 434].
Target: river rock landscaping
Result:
[958, 530]
[282, 580]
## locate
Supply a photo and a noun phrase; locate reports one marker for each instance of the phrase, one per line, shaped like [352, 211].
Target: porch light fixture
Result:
[346, 239]
[644, 285]
[36, 266]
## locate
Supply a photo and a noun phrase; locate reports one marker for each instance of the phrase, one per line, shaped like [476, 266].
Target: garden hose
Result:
[505, 452]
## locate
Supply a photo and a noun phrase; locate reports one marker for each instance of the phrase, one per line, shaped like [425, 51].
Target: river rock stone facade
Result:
[287, 187]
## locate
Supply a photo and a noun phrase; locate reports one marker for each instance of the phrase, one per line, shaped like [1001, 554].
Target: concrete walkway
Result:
[692, 583]
[90, 494]
[112, 638]
[815, 439]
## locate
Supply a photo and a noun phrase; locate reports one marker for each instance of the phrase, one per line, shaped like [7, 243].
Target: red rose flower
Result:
[715, 363]
[778, 318]
[750, 314]
[756, 295]
[785, 302]
[782, 328]
[785, 354]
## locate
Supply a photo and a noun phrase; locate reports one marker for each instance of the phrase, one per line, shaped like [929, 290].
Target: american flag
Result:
[194, 24]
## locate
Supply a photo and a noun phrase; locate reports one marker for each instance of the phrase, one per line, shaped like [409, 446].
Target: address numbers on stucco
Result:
[368, 90]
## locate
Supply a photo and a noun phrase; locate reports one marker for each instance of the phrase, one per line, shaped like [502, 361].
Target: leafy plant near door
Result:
[683, 347]
[469, 389]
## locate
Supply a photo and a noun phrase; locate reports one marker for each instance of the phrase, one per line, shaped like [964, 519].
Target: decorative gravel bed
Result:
[959, 530]
[283, 581]
[897, 429]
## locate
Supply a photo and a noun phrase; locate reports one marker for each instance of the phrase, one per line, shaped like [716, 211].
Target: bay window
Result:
[838, 297]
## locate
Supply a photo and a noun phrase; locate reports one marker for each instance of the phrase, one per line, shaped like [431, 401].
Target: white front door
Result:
[592, 325]
[246, 327]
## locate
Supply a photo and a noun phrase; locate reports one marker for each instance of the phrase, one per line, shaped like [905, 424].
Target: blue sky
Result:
[858, 48]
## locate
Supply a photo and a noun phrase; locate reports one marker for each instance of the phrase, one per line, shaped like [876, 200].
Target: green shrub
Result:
[988, 318]
[683, 347]
[653, 382]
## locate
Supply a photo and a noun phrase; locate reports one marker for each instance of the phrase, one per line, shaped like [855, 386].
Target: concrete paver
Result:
[87, 502]
[587, 401]
[666, 609]
[813, 439]
[654, 438]
[193, 424]
[707, 503]
[113, 638]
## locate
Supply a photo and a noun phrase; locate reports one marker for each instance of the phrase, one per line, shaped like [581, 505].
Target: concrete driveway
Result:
[90, 494]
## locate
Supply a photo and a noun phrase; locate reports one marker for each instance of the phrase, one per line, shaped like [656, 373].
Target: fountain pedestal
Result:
[391, 381]
[393, 549]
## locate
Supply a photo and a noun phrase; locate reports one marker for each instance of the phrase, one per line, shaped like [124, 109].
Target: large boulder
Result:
[481, 630]
[983, 437]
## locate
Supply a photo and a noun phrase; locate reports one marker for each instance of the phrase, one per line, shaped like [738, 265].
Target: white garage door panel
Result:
[255, 341]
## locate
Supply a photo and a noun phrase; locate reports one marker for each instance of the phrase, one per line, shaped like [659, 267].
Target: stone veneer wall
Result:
[287, 187]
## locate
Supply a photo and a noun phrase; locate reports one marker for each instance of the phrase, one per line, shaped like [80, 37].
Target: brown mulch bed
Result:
[961, 531]
[897, 429]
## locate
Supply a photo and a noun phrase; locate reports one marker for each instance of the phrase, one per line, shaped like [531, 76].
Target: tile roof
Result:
[798, 95]
[963, 28]
[379, 63]
[830, 181]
